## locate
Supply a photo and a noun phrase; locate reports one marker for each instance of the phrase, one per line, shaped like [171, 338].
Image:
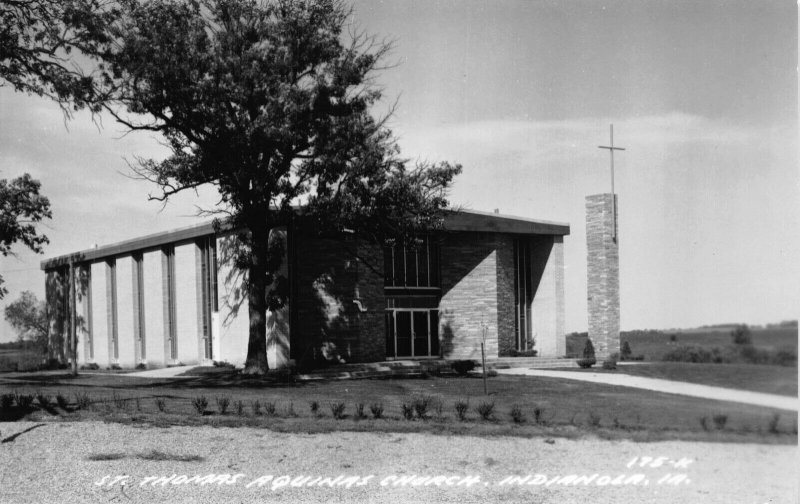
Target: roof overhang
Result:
[461, 220]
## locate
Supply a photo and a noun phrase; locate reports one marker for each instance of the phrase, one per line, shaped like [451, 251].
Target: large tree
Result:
[272, 103]
[21, 209]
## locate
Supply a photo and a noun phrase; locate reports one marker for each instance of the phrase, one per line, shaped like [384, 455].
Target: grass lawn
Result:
[566, 408]
[780, 380]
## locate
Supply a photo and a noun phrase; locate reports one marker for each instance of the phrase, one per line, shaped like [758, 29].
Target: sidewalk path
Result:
[668, 386]
[168, 372]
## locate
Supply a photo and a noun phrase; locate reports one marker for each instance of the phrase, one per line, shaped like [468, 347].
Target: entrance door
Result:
[412, 333]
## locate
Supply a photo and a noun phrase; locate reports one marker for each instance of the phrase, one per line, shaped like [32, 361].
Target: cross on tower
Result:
[611, 149]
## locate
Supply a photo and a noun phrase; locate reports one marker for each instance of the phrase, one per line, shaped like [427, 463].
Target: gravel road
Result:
[78, 462]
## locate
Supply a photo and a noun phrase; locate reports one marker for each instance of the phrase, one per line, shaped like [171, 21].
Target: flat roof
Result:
[458, 220]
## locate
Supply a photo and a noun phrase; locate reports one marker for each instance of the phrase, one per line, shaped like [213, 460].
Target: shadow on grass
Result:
[11, 438]
[152, 455]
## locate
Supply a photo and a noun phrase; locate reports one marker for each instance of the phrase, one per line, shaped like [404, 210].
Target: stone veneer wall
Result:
[603, 274]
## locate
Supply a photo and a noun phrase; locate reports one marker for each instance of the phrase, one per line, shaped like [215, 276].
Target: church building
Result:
[173, 298]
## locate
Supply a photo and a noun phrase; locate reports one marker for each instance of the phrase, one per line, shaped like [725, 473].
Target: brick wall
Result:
[506, 333]
[469, 301]
[603, 275]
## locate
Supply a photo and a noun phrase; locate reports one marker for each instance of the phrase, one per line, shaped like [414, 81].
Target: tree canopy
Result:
[28, 317]
[272, 103]
[21, 208]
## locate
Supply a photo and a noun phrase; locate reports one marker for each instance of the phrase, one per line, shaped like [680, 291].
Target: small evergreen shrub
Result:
[269, 408]
[610, 364]
[704, 423]
[377, 410]
[314, 407]
[141, 366]
[594, 419]
[43, 399]
[538, 415]
[290, 410]
[625, 352]
[24, 401]
[222, 404]
[239, 407]
[256, 407]
[420, 405]
[200, 404]
[773, 423]
[161, 404]
[463, 367]
[485, 410]
[461, 407]
[516, 414]
[359, 412]
[588, 359]
[91, 366]
[337, 410]
[408, 411]
[6, 400]
[62, 401]
[719, 421]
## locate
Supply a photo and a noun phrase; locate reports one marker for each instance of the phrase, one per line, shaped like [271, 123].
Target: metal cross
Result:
[611, 149]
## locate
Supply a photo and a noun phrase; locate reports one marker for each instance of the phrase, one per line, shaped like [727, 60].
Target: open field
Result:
[654, 345]
[565, 408]
[754, 377]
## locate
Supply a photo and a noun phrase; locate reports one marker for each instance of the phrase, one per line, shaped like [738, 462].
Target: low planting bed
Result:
[516, 406]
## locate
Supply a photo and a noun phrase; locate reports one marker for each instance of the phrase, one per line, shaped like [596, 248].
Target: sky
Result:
[703, 96]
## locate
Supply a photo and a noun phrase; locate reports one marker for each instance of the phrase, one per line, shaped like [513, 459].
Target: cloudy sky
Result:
[703, 95]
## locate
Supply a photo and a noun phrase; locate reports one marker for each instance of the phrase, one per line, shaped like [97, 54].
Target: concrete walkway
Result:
[668, 386]
[167, 372]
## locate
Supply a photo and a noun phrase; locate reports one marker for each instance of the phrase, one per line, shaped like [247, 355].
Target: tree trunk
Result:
[256, 362]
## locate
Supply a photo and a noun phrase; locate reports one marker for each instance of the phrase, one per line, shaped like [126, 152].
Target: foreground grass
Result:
[567, 409]
[753, 377]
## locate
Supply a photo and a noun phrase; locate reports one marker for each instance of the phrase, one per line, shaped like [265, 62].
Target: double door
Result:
[412, 333]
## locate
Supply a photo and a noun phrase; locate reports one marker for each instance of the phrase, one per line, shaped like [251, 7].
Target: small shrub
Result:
[438, 407]
[24, 401]
[516, 414]
[485, 410]
[314, 407]
[586, 363]
[673, 338]
[62, 401]
[610, 364]
[463, 367]
[92, 366]
[639, 357]
[491, 373]
[704, 423]
[462, 407]
[161, 404]
[625, 352]
[588, 359]
[256, 407]
[43, 399]
[337, 410]
[223, 364]
[239, 407]
[785, 356]
[538, 415]
[6, 400]
[120, 402]
[222, 404]
[594, 419]
[290, 410]
[141, 366]
[200, 404]
[720, 421]
[138, 403]
[359, 411]
[269, 408]
[773, 423]
[408, 411]
[377, 410]
[115, 367]
[420, 405]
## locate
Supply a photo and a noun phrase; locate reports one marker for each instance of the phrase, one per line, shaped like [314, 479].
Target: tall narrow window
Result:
[208, 281]
[412, 266]
[522, 294]
[138, 307]
[111, 287]
[170, 314]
